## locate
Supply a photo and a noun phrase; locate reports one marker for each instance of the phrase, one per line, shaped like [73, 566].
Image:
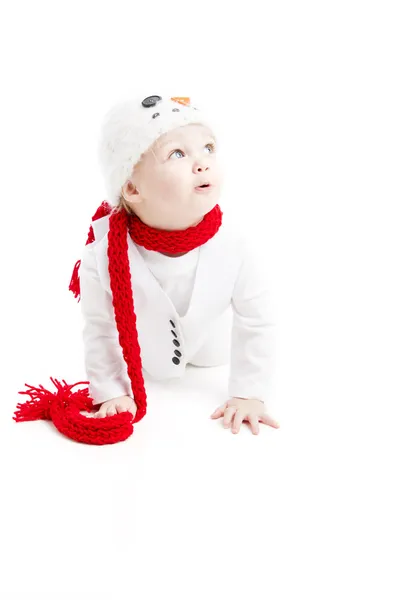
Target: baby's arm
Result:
[104, 362]
[253, 330]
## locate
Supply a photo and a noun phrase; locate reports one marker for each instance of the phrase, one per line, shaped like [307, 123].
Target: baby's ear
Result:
[129, 190]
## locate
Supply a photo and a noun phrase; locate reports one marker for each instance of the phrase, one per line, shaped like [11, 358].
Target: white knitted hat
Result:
[131, 127]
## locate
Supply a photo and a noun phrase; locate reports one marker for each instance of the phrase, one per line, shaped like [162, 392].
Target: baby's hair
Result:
[123, 205]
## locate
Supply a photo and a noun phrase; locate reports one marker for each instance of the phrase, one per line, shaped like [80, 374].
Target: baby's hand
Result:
[251, 410]
[114, 406]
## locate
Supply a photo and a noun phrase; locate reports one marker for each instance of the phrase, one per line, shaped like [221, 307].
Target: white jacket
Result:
[229, 274]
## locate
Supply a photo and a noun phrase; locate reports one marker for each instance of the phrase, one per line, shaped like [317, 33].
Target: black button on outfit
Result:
[175, 360]
[151, 101]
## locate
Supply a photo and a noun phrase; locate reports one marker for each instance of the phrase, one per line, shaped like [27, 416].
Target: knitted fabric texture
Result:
[64, 406]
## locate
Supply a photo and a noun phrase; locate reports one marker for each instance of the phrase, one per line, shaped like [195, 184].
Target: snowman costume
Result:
[146, 312]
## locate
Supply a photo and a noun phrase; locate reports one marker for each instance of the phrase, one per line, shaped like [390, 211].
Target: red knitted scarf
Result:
[64, 407]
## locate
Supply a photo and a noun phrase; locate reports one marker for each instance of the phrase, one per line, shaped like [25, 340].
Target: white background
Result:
[306, 95]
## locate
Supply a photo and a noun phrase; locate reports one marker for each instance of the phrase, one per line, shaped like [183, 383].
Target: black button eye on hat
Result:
[151, 101]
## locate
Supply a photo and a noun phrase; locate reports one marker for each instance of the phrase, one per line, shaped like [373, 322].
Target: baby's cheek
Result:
[218, 176]
[152, 188]
[175, 185]
[163, 178]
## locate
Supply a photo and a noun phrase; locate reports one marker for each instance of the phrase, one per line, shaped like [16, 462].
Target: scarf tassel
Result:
[64, 407]
[39, 406]
[74, 285]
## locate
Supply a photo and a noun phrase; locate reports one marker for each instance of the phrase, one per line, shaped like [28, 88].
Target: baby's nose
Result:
[201, 168]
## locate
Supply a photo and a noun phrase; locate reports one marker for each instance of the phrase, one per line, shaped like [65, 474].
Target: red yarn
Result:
[64, 407]
[103, 210]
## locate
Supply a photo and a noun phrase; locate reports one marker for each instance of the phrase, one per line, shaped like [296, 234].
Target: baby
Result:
[198, 294]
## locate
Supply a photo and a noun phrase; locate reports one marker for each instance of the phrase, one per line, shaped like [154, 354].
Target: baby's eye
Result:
[176, 151]
[212, 146]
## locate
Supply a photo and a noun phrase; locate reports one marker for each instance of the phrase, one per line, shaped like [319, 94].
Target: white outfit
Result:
[176, 275]
[209, 307]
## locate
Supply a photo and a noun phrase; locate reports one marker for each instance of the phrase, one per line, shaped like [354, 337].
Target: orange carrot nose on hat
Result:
[131, 127]
[184, 101]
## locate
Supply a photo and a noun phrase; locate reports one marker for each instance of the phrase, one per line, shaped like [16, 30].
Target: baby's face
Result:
[163, 184]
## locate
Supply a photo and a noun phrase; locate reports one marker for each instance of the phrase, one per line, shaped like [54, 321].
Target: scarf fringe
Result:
[74, 285]
[64, 407]
[38, 407]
